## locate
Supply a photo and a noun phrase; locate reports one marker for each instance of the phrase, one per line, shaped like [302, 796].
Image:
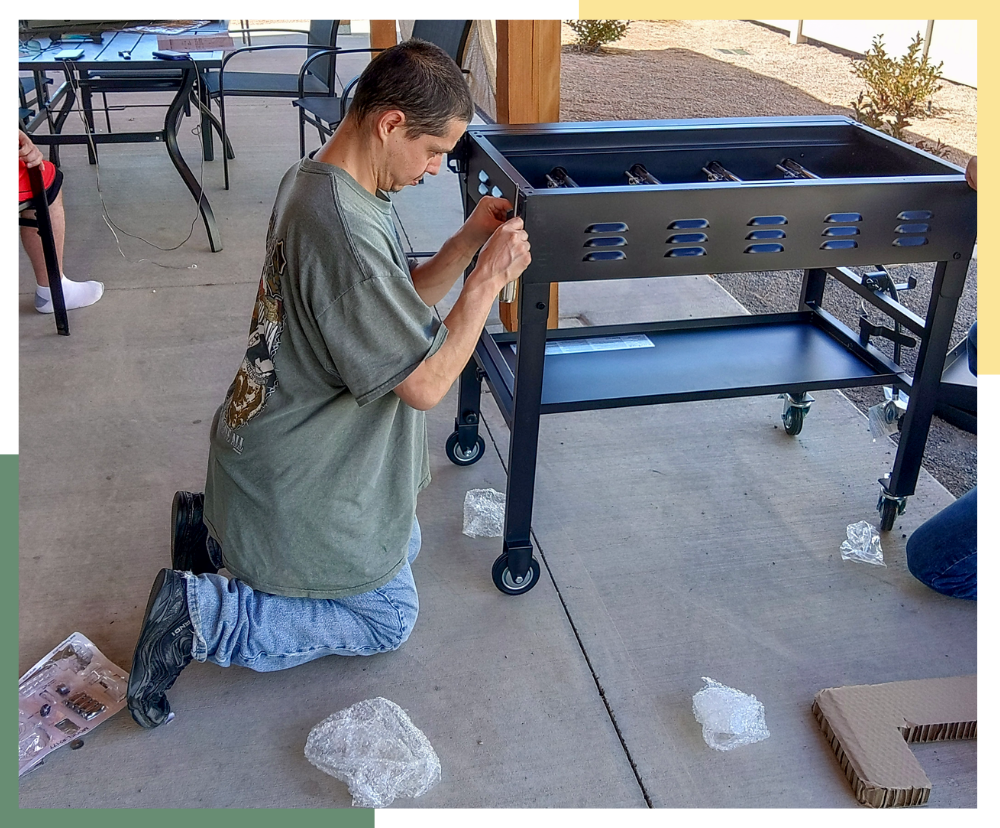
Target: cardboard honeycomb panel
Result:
[870, 727]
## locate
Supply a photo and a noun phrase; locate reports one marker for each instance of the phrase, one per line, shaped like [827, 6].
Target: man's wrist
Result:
[466, 245]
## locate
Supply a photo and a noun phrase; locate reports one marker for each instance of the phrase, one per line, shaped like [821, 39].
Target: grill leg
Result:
[949, 279]
[524, 428]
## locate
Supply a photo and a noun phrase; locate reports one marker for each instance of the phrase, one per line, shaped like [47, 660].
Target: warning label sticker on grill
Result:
[601, 343]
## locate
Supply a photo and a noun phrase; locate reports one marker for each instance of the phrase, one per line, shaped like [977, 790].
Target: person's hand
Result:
[970, 172]
[489, 214]
[506, 255]
[27, 151]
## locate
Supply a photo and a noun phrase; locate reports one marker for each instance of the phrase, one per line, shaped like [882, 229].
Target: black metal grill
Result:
[666, 198]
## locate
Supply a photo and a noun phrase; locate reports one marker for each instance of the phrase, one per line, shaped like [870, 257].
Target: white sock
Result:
[76, 295]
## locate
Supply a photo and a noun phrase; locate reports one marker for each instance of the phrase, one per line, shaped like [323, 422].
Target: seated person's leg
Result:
[76, 294]
[942, 552]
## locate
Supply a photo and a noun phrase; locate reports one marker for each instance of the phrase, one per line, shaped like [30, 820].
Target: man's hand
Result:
[489, 214]
[970, 172]
[27, 151]
[506, 255]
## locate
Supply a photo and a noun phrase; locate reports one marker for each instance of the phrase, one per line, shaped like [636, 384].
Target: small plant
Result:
[897, 91]
[591, 35]
[936, 147]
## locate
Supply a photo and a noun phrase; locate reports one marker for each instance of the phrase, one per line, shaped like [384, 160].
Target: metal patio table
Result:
[130, 53]
[619, 200]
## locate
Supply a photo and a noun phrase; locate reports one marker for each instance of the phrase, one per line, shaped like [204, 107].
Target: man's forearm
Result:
[428, 384]
[436, 276]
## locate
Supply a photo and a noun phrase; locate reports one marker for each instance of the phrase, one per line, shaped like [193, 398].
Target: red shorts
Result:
[49, 174]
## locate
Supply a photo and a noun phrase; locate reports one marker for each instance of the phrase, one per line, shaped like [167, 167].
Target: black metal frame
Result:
[876, 199]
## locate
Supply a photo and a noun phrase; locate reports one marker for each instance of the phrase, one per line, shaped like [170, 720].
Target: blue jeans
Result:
[942, 552]
[234, 624]
[972, 348]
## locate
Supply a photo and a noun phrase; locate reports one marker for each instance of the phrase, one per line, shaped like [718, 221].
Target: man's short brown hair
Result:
[421, 81]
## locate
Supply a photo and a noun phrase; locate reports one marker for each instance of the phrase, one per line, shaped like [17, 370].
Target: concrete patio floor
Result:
[676, 542]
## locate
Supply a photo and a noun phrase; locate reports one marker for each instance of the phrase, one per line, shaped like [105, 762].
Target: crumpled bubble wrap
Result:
[862, 544]
[729, 718]
[484, 509]
[376, 750]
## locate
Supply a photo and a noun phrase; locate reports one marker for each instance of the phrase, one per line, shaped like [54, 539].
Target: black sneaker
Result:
[162, 651]
[188, 549]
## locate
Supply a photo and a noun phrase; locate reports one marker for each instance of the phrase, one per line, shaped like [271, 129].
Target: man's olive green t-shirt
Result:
[315, 465]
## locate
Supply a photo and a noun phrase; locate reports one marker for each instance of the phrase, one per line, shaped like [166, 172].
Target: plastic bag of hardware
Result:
[728, 717]
[66, 694]
[863, 544]
[377, 751]
[484, 509]
[883, 418]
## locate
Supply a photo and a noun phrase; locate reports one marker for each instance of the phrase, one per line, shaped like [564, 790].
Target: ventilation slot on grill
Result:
[687, 238]
[608, 227]
[838, 244]
[765, 248]
[687, 251]
[909, 241]
[766, 234]
[912, 228]
[688, 224]
[766, 220]
[915, 215]
[604, 256]
[606, 241]
[841, 231]
[843, 218]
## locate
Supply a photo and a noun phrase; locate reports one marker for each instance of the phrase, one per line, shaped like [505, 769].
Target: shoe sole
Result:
[188, 563]
[175, 521]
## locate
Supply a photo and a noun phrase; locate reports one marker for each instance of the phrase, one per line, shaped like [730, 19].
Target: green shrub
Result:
[591, 35]
[897, 91]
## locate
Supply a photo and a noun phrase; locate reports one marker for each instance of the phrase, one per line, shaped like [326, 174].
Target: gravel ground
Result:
[673, 69]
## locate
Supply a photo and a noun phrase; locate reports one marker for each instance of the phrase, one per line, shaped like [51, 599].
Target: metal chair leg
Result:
[225, 141]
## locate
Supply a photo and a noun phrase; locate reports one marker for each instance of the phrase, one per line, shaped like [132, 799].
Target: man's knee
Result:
[393, 629]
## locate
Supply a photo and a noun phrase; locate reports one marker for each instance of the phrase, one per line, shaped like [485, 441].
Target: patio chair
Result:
[39, 203]
[326, 113]
[319, 82]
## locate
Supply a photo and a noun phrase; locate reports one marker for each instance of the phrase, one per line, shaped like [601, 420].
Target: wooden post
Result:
[382, 33]
[528, 63]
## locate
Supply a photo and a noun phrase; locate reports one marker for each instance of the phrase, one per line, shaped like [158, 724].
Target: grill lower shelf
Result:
[741, 356]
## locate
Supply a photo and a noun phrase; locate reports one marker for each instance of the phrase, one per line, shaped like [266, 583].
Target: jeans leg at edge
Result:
[942, 552]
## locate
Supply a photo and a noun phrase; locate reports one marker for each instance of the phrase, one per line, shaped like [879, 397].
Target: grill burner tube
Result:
[793, 169]
[638, 174]
[716, 172]
[558, 177]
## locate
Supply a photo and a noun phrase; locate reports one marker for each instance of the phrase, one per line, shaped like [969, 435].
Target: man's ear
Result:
[388, 122]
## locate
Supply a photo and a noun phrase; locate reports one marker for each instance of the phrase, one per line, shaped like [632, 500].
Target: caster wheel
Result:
[461, 458]
[505, 583]
[888, 509]
[793, 418]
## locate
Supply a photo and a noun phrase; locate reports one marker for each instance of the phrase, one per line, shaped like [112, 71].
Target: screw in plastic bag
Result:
[863, 544]
[484, 511]
[884, 418]
[728, 718]
[375, 749]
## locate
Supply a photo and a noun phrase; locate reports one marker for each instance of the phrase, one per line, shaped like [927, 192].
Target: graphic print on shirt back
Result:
[256, 380]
